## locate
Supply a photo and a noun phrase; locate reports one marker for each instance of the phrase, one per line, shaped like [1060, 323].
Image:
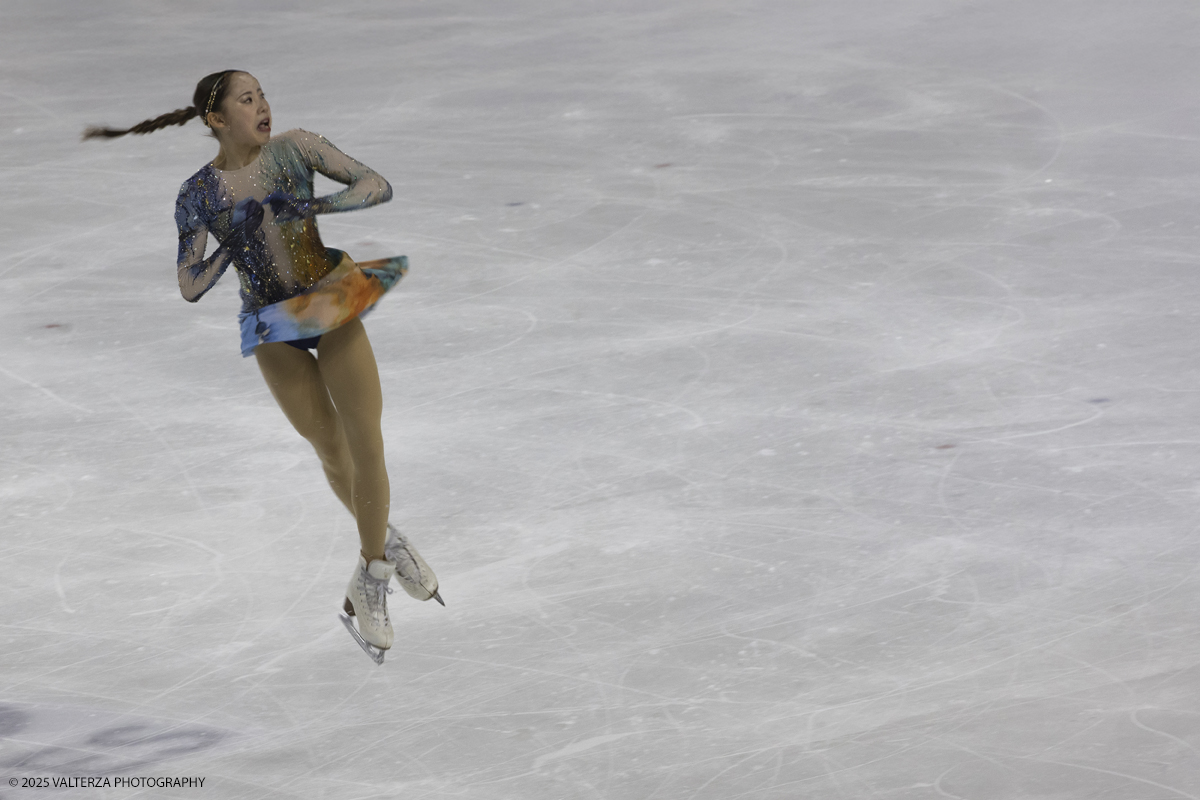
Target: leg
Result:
[296, 384]
[347, 366]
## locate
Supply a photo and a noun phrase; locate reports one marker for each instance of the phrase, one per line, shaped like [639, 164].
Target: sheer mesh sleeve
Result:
[197, 274]
[365, 187]
[278, 254]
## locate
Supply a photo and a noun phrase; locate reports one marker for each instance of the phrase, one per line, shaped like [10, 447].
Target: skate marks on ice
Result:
[51, 740]
[778, 472]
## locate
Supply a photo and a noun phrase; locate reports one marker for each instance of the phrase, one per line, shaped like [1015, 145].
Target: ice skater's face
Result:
[245, 115]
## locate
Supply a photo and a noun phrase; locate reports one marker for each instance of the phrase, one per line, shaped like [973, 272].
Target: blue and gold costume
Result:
[292, 286]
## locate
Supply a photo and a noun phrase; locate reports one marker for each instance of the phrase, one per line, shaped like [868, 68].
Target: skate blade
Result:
[371, 650]
[419, 591]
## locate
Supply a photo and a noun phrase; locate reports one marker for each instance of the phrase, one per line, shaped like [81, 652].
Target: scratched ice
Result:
[796, 400]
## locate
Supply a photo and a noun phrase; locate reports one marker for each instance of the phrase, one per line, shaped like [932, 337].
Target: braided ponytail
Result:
[210, 94]
[177, 117]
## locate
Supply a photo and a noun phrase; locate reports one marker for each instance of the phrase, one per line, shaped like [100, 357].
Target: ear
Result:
[215, 120]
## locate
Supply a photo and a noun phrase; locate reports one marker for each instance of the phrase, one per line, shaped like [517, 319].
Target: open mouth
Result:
[265, 126]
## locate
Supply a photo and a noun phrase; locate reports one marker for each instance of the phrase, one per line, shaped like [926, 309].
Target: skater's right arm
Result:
[197, 274]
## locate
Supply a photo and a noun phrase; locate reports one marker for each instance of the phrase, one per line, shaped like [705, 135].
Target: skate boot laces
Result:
[413, 574]
[375, 591]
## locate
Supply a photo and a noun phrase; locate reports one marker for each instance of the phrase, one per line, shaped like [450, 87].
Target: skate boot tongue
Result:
[381, 570]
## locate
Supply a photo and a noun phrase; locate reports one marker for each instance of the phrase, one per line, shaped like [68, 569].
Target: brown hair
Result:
[210, 94]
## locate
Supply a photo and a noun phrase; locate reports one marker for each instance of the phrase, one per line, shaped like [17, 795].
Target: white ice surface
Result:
[796, 400]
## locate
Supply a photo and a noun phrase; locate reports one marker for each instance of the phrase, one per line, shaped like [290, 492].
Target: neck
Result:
[234, 156]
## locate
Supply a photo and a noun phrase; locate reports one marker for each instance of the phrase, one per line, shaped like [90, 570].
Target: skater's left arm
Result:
[364, 186]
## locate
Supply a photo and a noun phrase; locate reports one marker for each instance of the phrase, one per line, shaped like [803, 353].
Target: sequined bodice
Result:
[277, 260]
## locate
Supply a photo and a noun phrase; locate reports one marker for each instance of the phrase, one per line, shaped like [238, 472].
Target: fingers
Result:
[254, 218]
[279, 201]
[291, 212]
[286, 207]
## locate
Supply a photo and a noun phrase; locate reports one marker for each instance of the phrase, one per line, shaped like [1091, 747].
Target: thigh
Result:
[347, 365]
[296, 384]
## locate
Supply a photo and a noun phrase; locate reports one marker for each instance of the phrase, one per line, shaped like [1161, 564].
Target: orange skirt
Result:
[350, 290]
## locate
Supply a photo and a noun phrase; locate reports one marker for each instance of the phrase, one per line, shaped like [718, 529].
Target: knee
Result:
[366, 448]
[324, 433]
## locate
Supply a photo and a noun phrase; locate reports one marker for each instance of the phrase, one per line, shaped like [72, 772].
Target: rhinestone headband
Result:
[213, 96]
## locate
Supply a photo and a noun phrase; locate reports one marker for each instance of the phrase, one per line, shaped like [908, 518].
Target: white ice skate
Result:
[412, 573]
[366, 601]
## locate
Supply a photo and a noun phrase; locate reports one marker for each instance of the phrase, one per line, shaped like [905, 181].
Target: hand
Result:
[247, 217]
[288, 208]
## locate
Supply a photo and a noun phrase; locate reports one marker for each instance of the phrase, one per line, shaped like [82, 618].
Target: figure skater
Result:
[299, 296]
